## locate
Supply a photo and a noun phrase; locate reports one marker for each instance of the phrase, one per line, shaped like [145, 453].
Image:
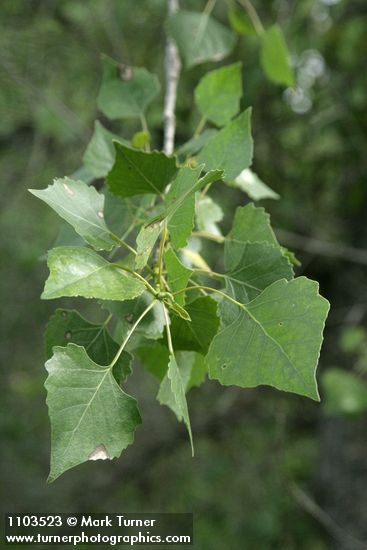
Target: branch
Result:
[323, 248]
[172, 69]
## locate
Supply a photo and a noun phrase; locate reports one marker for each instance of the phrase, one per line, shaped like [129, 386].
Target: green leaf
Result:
[344, 393]
[100, 153]
[181, 217]
[126, 92]
[231, 149]
[274, 340]
[82, 207]
[250, 224]
[172, 394]
[197, 142]
[154, 359]
[240, 21]
[91, 417]
[138, 172]
[140, 140]
[199, 37]
[76, 271]
[250, 183]
[275, 57]
[177, 275]
[208, 213]
[119, 213]
[252, 256]
[145, 242]
[196, 335]
[68, 326]
[218, 94]
[127, 312]
[180, 202]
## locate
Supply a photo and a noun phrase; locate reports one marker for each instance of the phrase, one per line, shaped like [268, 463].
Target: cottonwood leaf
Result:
[145, 242]
[250, 183]
[126, 92]
[200, 37]
[172, 392]
[76, 271]
[275, 57]
[231, 149]
[137, 172]
[181, 218]
[91, 417]
[100, 153]
[68, 326]
[252, 256]
[180, 201]
[177, 275]
[81, 206]
[197, 142]
[274, 340]
[218, 94]
[128, 312]
[196, 335]
[208, 214]
[120, 213]
[154, 359]
[250, 224]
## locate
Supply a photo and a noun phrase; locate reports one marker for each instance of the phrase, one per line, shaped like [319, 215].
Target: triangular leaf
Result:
[181, 218]
[172, 394]
[274, 340]
[127, 312]
[126, 92]
[137, 172]
[180, 201]
[177, 275]
[218, 94]
[68, 326]
[231, 149]
[196, 335]
[91, 417]
[197, 142]
[145, 242]
[199, 37]
[76, 271]
[81, 206]
[100, 153]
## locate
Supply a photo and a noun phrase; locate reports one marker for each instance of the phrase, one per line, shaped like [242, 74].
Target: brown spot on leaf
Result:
[68, 335]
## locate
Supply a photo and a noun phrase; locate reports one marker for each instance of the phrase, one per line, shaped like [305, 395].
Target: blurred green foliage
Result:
[309, 147]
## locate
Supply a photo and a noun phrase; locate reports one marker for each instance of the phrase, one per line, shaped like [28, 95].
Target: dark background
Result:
[272, 470]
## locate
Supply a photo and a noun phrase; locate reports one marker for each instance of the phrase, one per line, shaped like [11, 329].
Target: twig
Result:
[172, 68]
[253, 15]
[323, 248]
[312, 508]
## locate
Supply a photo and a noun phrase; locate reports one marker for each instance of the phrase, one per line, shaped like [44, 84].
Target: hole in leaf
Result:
[129, 318]
[224, 366]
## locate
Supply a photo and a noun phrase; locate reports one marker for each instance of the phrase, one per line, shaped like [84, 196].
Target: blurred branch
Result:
[312, 508]
[172, 69]
[323, 248]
